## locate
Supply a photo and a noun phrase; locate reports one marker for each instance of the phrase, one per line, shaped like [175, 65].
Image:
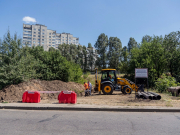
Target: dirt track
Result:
[13, 93]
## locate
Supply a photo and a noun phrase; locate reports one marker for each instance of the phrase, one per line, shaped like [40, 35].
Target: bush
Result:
[163, 83]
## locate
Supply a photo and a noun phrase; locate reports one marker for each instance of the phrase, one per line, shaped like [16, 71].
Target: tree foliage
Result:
[132, 43]
[101, 45]
[114, 53]
[20, 64]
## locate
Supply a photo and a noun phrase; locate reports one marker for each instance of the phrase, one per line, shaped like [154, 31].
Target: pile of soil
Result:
[13, 93]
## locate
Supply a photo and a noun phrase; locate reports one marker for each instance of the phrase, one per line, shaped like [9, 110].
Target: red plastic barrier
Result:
[67, 97]
[31, 97]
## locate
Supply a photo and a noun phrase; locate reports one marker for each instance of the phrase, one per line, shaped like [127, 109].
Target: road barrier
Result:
[67, 97]
[63, 97]
[31, 97]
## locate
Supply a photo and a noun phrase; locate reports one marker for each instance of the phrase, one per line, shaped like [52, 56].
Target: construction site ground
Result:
[13, 93]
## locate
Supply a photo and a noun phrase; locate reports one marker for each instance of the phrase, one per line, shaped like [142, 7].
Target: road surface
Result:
[22, 122]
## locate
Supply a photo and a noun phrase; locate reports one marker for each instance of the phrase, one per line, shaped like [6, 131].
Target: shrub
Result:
[163, 83]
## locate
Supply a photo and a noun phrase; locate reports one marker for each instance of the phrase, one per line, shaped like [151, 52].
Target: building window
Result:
[27, 31]
[63, 40]
[49, 36]
[43, 33]
[38, 29]
[49, 33]
[38, 32]
[53, 39]
[27, 35]
[42, 36]
[53, 36]
[53, 42]
[50, 42]
[38, 42]
[38, 36]
[43, 30]
[39, 39]
[34, 35]
[49, 39]
[69, 40]
[34, 29]
[62, 37]
[42, 39]
[42, 42]
[34, 42]
[34, 38]
[34, 32]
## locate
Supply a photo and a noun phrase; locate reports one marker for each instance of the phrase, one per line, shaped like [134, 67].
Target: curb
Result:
[90, 109]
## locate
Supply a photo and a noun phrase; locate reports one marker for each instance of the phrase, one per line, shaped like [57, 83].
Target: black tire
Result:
[107, 89]
[127, 90]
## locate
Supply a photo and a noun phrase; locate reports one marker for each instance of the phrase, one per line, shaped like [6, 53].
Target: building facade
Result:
[34, 35]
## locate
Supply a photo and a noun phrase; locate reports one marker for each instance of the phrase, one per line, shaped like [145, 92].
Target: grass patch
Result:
[168, 104]
[5, 102]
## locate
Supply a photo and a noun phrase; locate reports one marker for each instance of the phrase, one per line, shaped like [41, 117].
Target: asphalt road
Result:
[21, 122]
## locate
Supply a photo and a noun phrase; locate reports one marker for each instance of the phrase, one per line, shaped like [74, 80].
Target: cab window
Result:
[111, 74]
[104, 75]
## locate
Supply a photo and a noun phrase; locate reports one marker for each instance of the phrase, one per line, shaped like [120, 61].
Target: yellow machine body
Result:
[107, 85]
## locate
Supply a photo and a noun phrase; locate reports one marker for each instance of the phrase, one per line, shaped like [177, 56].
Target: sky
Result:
[87, 19]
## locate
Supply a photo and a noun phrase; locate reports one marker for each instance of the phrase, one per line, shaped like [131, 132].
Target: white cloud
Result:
[28, 19]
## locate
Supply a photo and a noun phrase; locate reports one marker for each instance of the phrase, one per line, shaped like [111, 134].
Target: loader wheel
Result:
[107, 89]
[127, 90]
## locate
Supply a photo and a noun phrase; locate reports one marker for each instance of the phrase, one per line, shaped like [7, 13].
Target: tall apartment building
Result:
[34, 35]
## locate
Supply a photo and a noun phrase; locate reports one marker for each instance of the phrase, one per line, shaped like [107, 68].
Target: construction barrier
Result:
[31, 97]
[67, 97]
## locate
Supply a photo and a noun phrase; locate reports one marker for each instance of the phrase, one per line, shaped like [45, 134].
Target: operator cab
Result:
[109, 75]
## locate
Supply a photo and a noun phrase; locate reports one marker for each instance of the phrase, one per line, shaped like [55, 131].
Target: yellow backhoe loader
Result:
[110, 82]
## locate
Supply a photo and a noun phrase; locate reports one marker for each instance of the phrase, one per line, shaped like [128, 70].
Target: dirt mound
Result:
[13, 93]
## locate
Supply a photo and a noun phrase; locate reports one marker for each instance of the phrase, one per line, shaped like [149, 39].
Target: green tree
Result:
[150, 55]
[10, 55]
[91, 58]
[89, 45]
[101, 46]
[132, 43]
[73, 52]
[85, 64]
[124, 64]
[79, 59]
[51, 49]
[114, 53]
[146, 38]
[171, 51]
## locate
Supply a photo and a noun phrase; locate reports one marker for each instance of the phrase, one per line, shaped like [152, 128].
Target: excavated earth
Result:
[13, 93]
